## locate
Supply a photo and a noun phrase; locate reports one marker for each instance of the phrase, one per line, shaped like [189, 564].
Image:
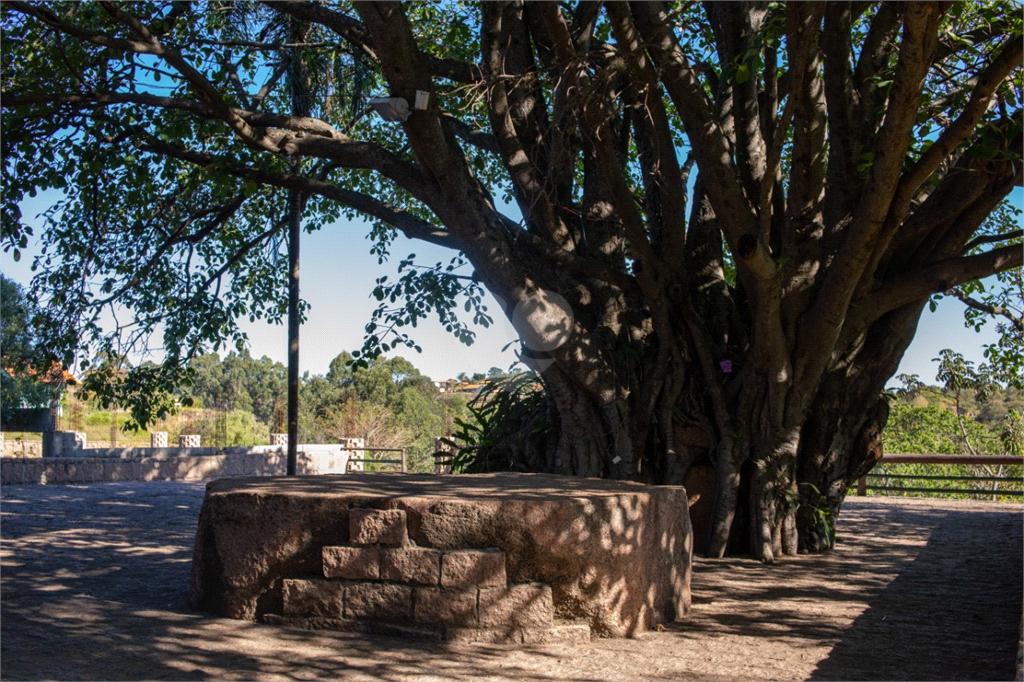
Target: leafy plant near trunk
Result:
[733, 214]
[508, 428]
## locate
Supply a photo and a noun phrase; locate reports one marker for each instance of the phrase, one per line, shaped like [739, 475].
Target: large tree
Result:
[733, 214]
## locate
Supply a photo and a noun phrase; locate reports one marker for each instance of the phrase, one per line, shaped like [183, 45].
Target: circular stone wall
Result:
[464, 556]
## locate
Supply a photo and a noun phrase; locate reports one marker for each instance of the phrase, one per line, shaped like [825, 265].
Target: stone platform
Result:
[481, 558]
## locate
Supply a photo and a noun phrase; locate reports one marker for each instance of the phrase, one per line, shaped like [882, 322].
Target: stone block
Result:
[313, 598]
[35, 471]
[150, 469]
[378, 601]
[158, 439]
[113, 471]
[528, 605]
[12, 471]
[352, 563]
[450, 607]
[468, 567]
[377, 527]
[418, 565]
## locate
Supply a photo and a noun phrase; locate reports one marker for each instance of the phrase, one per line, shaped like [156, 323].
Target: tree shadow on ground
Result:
[953, 613]
[94, 585]
[94, 581]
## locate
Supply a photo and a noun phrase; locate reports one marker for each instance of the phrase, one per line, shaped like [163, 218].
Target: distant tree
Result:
[949, 428]
[931, 430]
[238, 382]
[20, 361]
[340, 370]
[16, 311]
[1012, 433]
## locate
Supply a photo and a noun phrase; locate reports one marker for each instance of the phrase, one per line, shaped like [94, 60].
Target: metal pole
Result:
[294, 234]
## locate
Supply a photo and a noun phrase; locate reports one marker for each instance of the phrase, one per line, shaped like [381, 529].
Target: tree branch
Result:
[832, 301]
[356, 33]
[665, 173]
[474, 136]
[1009, 57]
[710, 146]
[53, 21]
[650, 267]
[302, 124]
[991, 309]
[935, 278]
[992, 239]
[409, 224]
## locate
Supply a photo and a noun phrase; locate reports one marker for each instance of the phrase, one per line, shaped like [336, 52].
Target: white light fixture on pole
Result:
[397, 108]
[390, 108]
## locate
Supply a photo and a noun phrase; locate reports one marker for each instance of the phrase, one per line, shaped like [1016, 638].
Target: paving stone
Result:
[312, 597]
[350, 625]
[378, 601]
[561, 633]
[483, 635]
[418, 565]
[467, 567]
[528, 605]
[353, 563]
[377, 527]
[451, 607]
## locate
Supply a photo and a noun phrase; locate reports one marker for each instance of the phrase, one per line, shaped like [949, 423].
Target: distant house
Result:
[452, 386]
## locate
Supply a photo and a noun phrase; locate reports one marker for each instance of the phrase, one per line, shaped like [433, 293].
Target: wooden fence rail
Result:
[975, 460]
[367, 460]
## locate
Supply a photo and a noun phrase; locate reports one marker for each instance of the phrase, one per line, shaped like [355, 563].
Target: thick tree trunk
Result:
[779, 488]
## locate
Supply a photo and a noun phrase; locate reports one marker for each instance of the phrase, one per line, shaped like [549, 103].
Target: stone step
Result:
[524, 605]
[349, 625]
[416, 565]
[560, 632]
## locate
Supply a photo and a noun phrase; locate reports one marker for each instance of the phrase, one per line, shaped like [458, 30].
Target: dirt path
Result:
[94, 578]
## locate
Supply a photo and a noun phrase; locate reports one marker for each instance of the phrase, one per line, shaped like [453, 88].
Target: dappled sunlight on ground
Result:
[94, 580]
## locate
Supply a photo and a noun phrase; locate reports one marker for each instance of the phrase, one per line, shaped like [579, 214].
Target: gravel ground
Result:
[93, 582]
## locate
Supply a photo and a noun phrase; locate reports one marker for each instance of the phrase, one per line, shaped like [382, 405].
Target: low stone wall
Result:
[169, 464]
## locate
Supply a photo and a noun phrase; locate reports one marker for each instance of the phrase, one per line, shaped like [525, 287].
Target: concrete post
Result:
[349, 445]
[63, 443]
[193, 440]
[158, 439]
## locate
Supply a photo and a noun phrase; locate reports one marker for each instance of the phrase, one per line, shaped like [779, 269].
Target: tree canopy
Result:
[733, 214]
[19, 369]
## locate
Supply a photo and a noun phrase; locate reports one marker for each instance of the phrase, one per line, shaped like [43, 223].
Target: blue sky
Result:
[338, 275]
